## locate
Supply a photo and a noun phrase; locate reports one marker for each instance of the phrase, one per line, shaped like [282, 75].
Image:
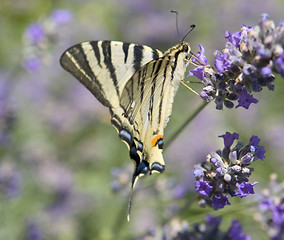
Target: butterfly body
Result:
[138, 85]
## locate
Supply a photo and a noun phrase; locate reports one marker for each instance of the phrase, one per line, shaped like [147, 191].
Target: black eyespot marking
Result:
[184, 48]
[160, 143]
[157, 167]
[133, 154]
[142, 168]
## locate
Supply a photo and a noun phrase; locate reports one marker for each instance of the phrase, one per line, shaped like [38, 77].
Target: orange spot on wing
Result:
[156, 139]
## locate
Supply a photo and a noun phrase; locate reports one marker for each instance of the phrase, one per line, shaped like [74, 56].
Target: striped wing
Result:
[104, 67]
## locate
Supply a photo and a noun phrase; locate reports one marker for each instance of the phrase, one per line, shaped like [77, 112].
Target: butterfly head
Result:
[181, 50]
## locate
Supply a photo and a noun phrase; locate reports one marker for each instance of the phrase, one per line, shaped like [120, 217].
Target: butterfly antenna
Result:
[176, 12]
[190, 30]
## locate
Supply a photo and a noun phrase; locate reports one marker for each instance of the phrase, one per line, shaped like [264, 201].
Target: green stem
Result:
[188, 120]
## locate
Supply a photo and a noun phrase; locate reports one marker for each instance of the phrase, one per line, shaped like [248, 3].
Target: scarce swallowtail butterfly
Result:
[138, 85]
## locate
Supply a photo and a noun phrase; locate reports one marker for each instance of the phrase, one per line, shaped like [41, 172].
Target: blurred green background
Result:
[64, 173]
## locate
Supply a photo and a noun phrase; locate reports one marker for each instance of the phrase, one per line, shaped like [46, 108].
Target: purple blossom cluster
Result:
[271, 209]
[10, 180]
[226, 172]
[7, 112]
[39, 36]
[210, 229]
[246, 65]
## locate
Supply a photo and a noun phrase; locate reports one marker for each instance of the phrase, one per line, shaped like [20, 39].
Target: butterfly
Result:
[138, 85]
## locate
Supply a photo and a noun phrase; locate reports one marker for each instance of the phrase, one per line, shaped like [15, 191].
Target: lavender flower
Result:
[235, 231]
[10, 181]
[246, 65]
[7, 112]
[271, 209]
[35, 32]
[33, 231]
[61, 16]
[40, 35]
[178, 230]
[227, 172]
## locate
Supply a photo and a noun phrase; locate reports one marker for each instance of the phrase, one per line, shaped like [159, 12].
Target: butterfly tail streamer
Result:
[134, 180]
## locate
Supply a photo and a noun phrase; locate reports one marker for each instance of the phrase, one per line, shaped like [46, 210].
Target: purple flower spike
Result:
[203, 187]
[245, 188]
[219, 201]
[245, 99]
[226, 171]
[246, 64]
[229, 138]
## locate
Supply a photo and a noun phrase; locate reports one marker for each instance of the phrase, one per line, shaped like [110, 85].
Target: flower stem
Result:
[188, 120]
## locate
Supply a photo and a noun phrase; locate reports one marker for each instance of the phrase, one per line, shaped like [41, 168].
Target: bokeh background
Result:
[64, 173]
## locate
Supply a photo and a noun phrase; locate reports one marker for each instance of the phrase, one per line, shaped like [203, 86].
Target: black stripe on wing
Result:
[95, 47]
[137, 56]
[125, 48]
[106, 46]
[74, 60]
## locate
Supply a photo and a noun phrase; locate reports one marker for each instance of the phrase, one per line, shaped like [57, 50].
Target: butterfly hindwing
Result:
[147, 101]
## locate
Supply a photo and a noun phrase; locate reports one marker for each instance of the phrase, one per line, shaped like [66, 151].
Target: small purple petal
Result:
[254, 141]
[264, 16]
[32, 64]
[259, 150]
[61, 16]
[235, 232]
[213, 221]
[266, 71]
[229, 138]
[197, 72]
[260, 153]
[198, 171]
[278, 216]
[203, 187]
[245, 188]
[222, 61]
[279, 64]
[245, 99]
[234, 38]
[219, 201]
[35, 32]
[205, 96]
[266, 204]
[34, 232]
[201, 58]
[246, 159]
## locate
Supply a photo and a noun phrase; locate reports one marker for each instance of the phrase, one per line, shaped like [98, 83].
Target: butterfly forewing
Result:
[104, 67]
